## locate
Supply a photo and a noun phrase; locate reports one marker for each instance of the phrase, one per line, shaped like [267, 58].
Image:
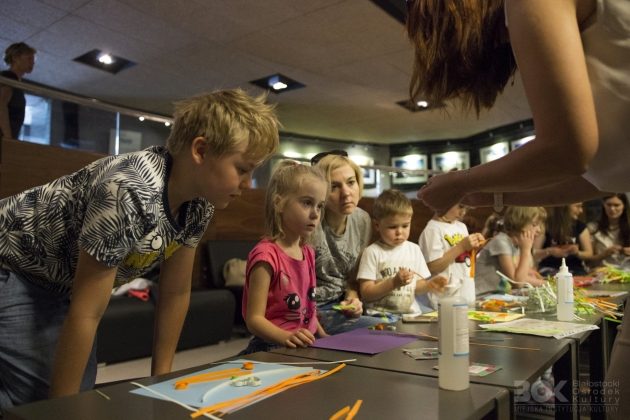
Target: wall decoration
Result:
[518, 143]
[490, 153]
[448, 161]
[410, 162]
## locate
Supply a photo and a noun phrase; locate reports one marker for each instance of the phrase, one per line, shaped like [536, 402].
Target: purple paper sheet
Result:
[365, 341]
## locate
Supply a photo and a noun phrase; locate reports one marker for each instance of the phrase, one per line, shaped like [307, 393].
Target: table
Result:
[519, 367]
[385, 394]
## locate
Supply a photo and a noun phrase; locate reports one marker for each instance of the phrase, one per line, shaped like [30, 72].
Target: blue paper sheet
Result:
[221, 390]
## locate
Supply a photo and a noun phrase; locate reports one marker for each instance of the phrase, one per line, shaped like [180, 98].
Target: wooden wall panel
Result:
[26, 165]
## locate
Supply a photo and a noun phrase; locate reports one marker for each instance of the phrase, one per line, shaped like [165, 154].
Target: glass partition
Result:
[65, 120]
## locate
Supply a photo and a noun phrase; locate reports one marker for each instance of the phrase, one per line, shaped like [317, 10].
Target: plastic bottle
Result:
[564, 280]
[453, 358]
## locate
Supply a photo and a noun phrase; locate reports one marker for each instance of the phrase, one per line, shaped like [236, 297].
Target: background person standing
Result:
[20, 57]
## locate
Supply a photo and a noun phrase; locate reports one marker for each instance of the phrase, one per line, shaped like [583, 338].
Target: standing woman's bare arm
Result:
[546, 41]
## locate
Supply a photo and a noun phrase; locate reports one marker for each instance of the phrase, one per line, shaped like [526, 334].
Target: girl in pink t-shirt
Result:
[279, 295]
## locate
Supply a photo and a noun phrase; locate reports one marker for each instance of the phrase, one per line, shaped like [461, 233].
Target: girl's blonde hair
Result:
[517, 217]
[226, 119]
[286, 181]
[329, 163]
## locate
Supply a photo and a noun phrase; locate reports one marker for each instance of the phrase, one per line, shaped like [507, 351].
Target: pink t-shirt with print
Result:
[291, 297]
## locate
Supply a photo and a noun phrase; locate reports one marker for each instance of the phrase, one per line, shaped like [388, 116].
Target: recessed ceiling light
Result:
[141, 118]
[420, 105]
[277, 83]
[104, 61]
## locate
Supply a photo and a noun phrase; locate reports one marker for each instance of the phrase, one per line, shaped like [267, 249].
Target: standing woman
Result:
[611, 234]
[573, 57]
[20, 58]
[339, 240]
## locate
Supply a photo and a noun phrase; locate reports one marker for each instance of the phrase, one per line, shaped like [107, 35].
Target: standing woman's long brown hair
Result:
[461, 51]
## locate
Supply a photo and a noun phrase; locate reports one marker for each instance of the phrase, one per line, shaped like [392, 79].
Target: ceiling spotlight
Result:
[166, 123]
[421, 105]
[277, 83]
[105, 59]
[141, 118]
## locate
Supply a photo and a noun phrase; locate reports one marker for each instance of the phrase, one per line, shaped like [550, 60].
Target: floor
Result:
[188, 358]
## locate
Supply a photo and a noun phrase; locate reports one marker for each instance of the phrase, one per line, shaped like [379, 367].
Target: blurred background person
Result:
[566, 236]
[20, 58]
[610, 235]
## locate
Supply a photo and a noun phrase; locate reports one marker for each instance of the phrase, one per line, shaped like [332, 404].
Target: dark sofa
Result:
[218, 253]
[126, 329]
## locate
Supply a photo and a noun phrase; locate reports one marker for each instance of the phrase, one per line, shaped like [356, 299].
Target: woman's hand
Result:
[299, 338]
[610, 251]
[441, 192]
[356, 304]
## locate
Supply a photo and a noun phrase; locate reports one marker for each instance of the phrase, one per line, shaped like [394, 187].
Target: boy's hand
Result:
[402, 278]
[299, 338]
[473, 241]
[437, 283]
[356, 304]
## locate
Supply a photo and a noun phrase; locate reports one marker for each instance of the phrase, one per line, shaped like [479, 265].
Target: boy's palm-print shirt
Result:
[116, 209]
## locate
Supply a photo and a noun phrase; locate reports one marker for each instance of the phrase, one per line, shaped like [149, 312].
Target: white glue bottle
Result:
[453, 358]
[564, 280]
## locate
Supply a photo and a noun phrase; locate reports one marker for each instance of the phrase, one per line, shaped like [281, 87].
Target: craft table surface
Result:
[516, 365]
[385, 394]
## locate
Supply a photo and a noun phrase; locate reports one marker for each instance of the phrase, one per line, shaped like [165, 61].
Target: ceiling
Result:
[352, 56]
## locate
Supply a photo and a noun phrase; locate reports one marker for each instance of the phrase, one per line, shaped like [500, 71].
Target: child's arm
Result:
[372, 290]
[257, 324]
[172, 306]
[472, 241]
[91, 291]
[320, 330]
[435, 284]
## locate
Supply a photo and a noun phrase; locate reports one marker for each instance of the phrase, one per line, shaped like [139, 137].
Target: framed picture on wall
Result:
[518, 143]
[369, 178]
[410, 162]
[450, 160]
[490, 153]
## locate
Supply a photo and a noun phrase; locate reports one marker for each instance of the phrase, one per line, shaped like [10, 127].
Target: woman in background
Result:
[20, 58]
[611, 234]
[566, 236]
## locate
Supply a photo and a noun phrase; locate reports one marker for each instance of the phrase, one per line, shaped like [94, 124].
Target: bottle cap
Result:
[563, 268]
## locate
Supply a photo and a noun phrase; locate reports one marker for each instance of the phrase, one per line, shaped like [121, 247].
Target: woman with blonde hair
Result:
[339, 240]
